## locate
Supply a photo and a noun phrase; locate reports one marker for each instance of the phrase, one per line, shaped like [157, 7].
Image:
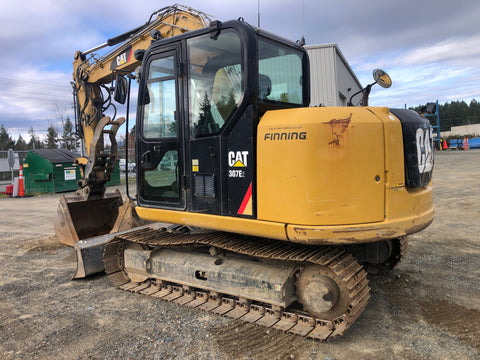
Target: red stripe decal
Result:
[245, 201]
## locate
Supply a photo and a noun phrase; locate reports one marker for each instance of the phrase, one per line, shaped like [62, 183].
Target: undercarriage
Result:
[314, 292]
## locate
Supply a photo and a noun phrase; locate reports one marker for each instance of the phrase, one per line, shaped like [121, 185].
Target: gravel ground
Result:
[427, 308]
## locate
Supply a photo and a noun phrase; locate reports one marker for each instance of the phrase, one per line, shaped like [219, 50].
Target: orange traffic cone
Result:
[21, 190]
[445, 147]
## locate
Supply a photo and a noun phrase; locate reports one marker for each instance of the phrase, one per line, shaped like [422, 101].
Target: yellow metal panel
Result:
[273, 230]
[394, 160]
[360, 233]
[321, 166]
[313, 235]
[403, 203]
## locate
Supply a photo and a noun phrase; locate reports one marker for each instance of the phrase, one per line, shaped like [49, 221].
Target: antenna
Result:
[258, 12]
[303, 18]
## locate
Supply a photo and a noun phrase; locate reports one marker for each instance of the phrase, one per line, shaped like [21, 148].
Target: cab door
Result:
[160, 174]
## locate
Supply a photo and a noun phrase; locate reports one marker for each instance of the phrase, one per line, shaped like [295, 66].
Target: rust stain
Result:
[345, 236]
[416, 228]
[338, 127]
[374, 229]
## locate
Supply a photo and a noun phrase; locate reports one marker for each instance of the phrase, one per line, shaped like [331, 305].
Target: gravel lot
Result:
[427, 308]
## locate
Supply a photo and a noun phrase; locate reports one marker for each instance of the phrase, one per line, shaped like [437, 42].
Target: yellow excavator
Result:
[263, 209]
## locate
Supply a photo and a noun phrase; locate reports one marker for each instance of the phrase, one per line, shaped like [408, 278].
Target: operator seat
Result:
[264, 86]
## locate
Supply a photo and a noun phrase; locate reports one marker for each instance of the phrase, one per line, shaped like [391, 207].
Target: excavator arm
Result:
[92, 73]
[92, 212]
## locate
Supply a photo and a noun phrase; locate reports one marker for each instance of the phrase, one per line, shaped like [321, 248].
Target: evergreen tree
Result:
[34, 142]
[6, 142]
[69, 140]
[206, 125]
[457, 113]
[52, 137]
[474, 112]
[21, 145]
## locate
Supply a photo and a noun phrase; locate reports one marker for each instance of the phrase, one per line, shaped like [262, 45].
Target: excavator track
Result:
[351, 279]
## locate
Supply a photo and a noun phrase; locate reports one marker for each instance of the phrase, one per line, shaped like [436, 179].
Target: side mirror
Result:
[382, 78]
[120, 94]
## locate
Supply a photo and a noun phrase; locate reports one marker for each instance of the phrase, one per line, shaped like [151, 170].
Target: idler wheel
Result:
[320, 292]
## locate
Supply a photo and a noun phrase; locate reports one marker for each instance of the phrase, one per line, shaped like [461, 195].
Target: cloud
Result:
[459, 51]
[33, 96]
[445, 70]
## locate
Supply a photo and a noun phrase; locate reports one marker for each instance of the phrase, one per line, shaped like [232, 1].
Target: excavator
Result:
[260, 208]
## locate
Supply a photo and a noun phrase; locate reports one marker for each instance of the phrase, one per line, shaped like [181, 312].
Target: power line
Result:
[14, 88]
[31, 84]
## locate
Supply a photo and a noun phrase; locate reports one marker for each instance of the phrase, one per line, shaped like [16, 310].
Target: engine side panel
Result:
[321, 166]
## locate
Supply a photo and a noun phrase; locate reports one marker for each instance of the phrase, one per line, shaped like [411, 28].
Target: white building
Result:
[463, 130]
[332, 80]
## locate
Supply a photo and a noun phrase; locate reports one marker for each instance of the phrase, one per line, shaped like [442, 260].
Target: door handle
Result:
[146, 158]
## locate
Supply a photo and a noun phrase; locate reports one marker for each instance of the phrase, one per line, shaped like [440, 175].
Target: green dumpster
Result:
[115, 175]
[54, 170]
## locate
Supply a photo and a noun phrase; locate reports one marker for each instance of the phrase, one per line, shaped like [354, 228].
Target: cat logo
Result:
[122, 58]
[237, 158]
[424, 139]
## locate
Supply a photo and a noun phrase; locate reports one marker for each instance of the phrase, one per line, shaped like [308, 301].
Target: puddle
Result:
[457, 320]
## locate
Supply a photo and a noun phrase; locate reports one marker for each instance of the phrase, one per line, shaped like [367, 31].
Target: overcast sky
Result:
[429, 48]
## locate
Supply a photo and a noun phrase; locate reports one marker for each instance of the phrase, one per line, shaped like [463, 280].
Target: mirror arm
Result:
[351, 97]
[366, 93]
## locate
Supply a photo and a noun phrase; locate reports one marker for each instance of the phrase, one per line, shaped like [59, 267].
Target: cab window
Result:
[160, 104]
[279, 73]
[214, 80]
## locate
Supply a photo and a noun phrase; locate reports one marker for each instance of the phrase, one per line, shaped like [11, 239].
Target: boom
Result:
[92, 73]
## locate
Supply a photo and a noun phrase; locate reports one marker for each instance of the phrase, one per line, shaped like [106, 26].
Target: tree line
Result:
[457, 113]
[53, 140]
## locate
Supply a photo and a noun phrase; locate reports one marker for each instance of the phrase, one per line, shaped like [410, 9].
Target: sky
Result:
[429, 48]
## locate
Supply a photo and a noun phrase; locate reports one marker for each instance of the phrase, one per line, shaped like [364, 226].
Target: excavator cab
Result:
[201, 97]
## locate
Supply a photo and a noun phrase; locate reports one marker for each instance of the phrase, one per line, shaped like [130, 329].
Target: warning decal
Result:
[195, 165]
[246, 206]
